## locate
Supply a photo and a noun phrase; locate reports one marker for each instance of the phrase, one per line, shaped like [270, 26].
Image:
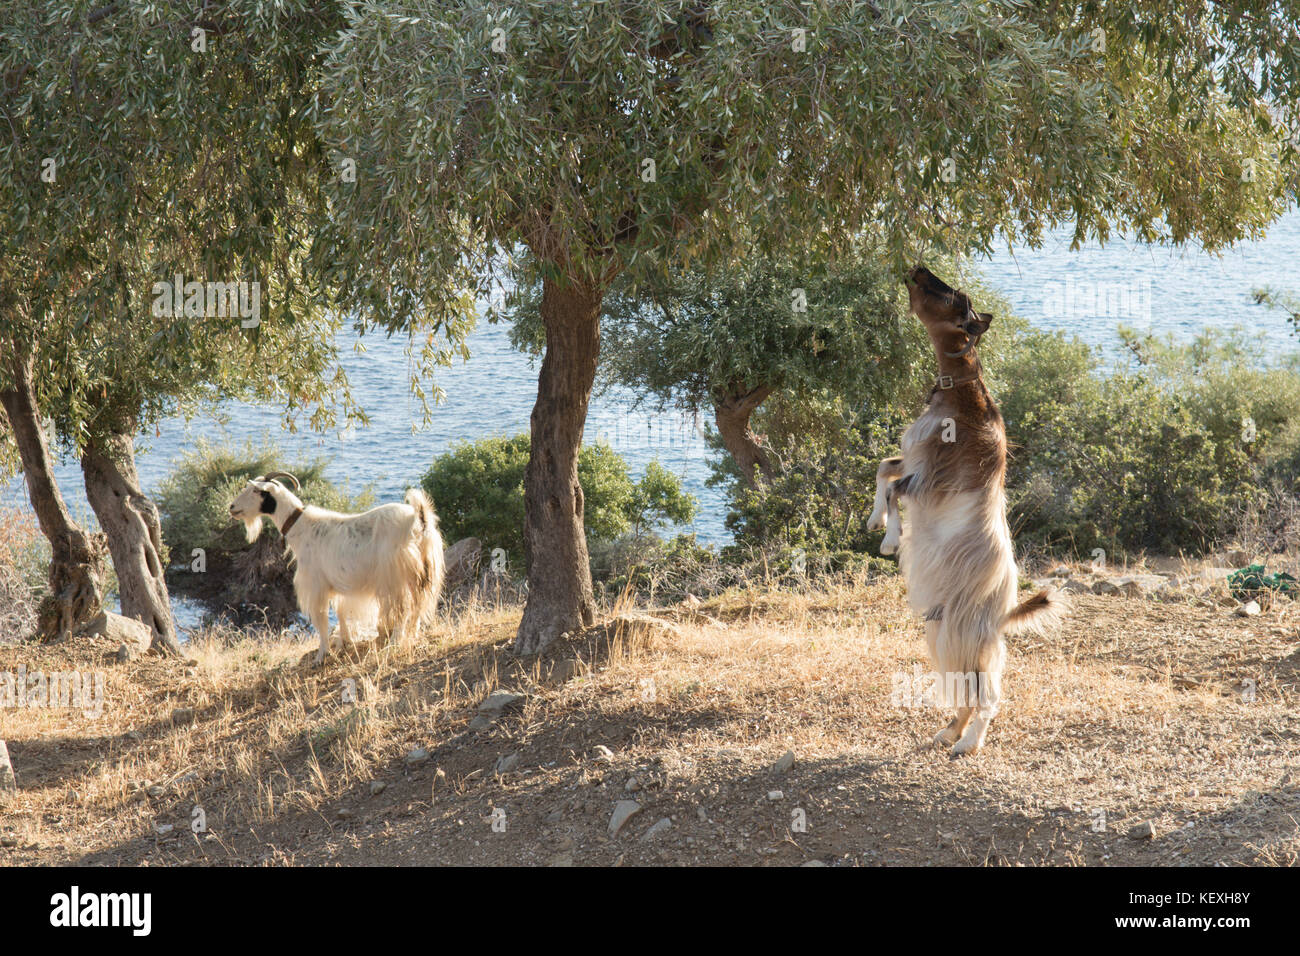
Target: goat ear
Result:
[986, 319]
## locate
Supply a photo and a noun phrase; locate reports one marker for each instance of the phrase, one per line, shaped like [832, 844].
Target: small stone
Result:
[1145, 830]
[784, 764]
[416, 757]
[499, 700]
[775, 795]
[183, 715]
[8, 841]
[1249, 609]
[127, 652]
[701, 815]
[663, 826]
[604, 754]
[507, 763]
[343, 813]
[1106, 588]
[632, 785]
[156, 791]
[480, 723]
[814, 863]
[162, 829]
[562, 859]
[624, 810]
[1074, 586]
[377, 787]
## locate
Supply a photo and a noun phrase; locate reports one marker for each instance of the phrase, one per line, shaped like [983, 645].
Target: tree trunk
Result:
[134, 536]
[731, 413]
[76, 558]
[555, 543]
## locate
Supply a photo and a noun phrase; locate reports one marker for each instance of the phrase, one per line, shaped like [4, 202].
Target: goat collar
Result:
[945, 382]
[291, 521]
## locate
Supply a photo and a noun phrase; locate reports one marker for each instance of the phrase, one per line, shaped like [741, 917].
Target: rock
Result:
[1074, 586]
[1249, 609]
[480, 723]
[461, 561]
[127, 652]
[8, 783]
[377, 787]
[663, 826]
[1145, 830]
[604, 754]
[156, 791]
[632, 785]
[1060, 571]
[814, 863]
[702, 814]
[8, 840]
[775, 795]
[624, 810]
[121, 630]
[416, 757]
[162, 829]
[499, 701]
[507, 763]
[785, 763]
[1106, 588]
[562, 859]
[183, 715]
[343, 813]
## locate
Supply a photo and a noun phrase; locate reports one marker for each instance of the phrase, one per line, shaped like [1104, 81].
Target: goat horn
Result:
[284, 474]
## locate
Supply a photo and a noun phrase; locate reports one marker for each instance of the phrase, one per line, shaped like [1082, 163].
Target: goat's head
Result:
[262, 496]
[947, 314]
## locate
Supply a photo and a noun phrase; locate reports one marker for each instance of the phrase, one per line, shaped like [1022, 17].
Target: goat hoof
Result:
[944, 739]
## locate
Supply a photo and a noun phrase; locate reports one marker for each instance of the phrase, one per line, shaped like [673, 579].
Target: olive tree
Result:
[162, 155]
[654, 135]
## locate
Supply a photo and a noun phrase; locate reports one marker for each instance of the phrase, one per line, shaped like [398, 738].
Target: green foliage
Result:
[695, 337]
[1153, 456]
[465, 145]
[194, 499]
[478, 490]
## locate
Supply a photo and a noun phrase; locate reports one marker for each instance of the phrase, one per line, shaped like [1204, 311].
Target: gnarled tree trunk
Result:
[731, 413]
[134, 536]
[555, 544]
[77, 558]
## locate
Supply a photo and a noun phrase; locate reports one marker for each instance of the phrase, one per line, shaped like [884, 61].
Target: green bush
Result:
[478, 490]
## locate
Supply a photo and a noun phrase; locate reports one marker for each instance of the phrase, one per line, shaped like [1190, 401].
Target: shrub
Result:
[478, 489]
[24, 564]
[248, 581]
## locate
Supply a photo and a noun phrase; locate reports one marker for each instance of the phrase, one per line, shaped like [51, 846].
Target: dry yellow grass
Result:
[1133, 711]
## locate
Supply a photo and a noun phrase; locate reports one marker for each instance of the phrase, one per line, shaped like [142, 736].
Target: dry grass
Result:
[1134, 711]
[21, 559]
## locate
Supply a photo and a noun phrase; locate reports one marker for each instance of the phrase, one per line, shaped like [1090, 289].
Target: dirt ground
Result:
[1182, 716]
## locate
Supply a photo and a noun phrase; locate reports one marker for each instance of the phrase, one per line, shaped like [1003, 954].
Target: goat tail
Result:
[427, 542]
[1036, 614]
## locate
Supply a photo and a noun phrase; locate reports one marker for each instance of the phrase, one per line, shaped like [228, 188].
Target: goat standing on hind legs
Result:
[388, 559]
[956, 554]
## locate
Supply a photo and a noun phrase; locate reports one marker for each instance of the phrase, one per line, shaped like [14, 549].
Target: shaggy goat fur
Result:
[385, 563]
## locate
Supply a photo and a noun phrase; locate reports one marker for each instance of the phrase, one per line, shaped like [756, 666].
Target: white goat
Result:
[388, 560]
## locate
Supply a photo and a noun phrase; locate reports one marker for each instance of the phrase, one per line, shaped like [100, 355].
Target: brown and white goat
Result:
[956, 553]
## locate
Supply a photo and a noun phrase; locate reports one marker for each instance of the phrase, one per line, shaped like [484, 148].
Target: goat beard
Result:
[253, 527]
